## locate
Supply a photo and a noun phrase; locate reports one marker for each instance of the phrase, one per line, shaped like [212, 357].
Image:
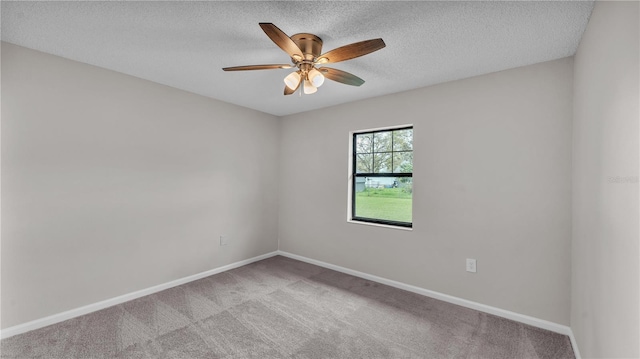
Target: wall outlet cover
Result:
[471, 265]
[224, 240]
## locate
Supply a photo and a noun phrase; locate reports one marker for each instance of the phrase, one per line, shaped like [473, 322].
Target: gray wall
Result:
[112, 184]
[605, 279]
[492, 181]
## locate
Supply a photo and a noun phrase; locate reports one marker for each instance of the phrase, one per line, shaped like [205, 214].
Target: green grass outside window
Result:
[393, 204]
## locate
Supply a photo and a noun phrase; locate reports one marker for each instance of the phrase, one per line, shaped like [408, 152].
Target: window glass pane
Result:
[403, 162]
[403, 140]
[382, 163]
[382, 141]
[384, 198]
[364, 143]
[364, 163]
[387, 199]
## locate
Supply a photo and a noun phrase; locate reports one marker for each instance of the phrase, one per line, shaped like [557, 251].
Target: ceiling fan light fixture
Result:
[316, 78]
[292, 80]
[309, 88]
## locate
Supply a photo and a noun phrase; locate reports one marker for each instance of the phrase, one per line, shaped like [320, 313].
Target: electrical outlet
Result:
[224, 240]
[471, 265]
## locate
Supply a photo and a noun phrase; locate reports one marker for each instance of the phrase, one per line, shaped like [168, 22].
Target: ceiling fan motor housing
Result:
[309, 44]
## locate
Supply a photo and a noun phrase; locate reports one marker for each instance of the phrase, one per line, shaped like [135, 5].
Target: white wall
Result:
[492, 181]
[112, 184]
[605, 263]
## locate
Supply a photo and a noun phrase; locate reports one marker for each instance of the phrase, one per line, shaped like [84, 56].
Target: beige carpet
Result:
[283, 308]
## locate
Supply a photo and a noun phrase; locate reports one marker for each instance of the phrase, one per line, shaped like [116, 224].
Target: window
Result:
[382, 176]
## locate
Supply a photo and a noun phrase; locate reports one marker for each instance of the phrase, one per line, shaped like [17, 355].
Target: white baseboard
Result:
[536, 322]
[60, 317]
[574, 344]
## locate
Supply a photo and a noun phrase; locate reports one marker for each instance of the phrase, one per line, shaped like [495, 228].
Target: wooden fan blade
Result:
[282, 40]
[351, 51]
[288, 91]
[258, 67]
[341, 76]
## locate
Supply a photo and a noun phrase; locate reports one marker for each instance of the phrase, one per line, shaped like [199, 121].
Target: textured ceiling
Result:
[185, 44]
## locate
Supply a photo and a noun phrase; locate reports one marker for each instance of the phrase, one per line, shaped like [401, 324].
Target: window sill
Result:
[380, 225]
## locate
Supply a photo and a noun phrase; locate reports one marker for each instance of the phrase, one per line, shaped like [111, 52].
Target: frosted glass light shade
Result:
[292, 80]
[316, 77]
[309, 88]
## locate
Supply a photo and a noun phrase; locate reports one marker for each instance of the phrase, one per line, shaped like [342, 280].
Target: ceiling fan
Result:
[305, 51]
